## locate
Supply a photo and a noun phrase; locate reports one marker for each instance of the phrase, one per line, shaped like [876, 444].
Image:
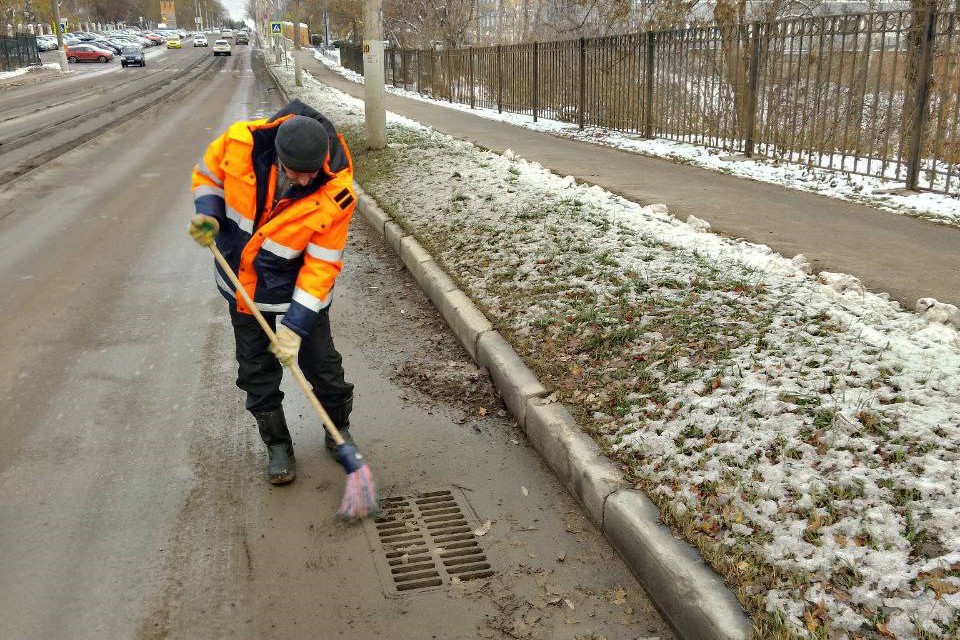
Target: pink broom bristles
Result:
[359, 496]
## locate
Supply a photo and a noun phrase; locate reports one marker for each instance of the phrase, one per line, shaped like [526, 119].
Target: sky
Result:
[235, 7]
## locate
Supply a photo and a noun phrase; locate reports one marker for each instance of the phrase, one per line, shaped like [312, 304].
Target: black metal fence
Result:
[18, 51]
[875, 94]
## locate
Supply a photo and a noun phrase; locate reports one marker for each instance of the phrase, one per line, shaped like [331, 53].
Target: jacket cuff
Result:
[300, 319]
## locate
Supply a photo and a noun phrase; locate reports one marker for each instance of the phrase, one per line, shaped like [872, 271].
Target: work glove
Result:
[287, 345]
[203, 229]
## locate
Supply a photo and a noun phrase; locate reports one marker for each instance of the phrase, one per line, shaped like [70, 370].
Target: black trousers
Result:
[259, 372]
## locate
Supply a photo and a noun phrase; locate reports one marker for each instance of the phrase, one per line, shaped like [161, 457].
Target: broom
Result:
[360, 494]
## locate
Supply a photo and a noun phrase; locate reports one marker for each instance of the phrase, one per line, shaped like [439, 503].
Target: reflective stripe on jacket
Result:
[286, 257]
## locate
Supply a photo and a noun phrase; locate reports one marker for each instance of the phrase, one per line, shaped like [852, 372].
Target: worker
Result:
[276, 196]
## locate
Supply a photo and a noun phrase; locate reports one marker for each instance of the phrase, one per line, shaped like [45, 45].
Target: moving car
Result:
[132, 55]
[242, 38]
[221, 48]
[173, 42]
[226, 33]
[200, 41]
[88, 53]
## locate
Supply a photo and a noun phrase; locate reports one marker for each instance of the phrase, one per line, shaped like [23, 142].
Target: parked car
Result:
[173, 42]
[46, 44]
[242, 38]
[153, 37]
[221, 48]
[88, 53]
[106, 44]
[132, 55]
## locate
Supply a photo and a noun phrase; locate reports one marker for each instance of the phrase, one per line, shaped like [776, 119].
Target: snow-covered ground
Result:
[857, 188]
[802, 432]
[54, 66]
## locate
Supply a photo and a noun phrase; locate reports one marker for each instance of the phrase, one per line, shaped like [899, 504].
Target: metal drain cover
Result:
[424, 541]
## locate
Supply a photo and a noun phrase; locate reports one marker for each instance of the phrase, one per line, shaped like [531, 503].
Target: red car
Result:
[88, 53]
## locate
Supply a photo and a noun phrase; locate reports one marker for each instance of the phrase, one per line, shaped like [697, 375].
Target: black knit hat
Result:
[302, 144]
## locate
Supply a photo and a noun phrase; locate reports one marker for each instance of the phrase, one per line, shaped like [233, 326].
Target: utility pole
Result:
[297, 78]
[375, 114]
[61, 51]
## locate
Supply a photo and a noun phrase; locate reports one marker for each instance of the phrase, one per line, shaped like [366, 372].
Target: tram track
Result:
[29, 148]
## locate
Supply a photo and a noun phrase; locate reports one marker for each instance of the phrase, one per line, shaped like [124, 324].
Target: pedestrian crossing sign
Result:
[275, 27]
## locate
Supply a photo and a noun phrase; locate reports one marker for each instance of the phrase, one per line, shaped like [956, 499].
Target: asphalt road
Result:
[45, 117]
[132, 497]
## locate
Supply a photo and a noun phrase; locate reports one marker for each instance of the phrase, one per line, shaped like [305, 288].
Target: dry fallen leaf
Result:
[484, 528]
[562, 557]
[884, 631]
[568, 603]
[524, 490]
[619, 595]
[482, 411]
[454, 580]
[941, 587]
[405, 558]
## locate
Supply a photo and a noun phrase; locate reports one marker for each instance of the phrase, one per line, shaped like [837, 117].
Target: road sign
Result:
[275, 27]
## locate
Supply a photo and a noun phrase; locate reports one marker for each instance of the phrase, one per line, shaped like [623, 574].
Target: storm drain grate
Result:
[427, 541]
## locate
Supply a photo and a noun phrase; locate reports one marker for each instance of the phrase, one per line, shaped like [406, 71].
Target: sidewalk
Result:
[905, 257]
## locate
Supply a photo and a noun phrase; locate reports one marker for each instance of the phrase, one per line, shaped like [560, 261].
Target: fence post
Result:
[536, 79]
[922, 98]
[499, 79]
[404, 67]
[449, 59]
[419, 80]
[473, 93]
[752, 90]
[583, 82]
[393, 67]
[648, 93]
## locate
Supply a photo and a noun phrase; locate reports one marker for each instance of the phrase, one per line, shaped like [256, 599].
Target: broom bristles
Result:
[359, 496]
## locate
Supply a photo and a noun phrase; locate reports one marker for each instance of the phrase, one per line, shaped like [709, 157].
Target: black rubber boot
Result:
[340, 415]
[282, 467]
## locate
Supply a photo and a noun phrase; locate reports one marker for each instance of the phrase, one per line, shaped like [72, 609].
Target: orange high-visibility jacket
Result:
[287, 257]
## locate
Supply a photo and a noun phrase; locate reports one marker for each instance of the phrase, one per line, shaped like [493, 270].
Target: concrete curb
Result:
[276, 80]
[688, 593]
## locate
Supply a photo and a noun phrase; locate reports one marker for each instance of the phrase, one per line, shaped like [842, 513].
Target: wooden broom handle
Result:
[294, 367]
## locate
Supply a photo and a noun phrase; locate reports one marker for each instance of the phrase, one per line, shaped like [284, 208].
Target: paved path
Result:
[906, 257]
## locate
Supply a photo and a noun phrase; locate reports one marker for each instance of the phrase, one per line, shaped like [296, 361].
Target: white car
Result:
[221, 48]
[200, 41]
